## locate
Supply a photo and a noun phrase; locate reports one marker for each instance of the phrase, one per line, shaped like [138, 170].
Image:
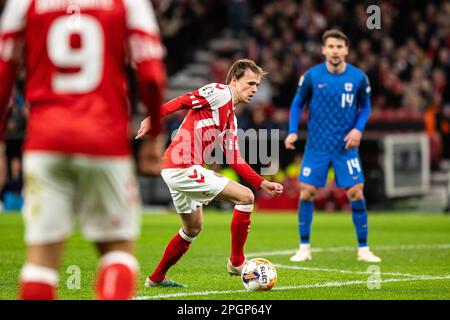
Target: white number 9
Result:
[88, 58]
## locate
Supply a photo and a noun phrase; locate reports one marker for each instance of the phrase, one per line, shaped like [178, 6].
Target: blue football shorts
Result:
[346, 164]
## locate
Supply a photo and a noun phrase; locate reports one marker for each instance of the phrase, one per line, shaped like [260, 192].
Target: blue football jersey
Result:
[337, 104]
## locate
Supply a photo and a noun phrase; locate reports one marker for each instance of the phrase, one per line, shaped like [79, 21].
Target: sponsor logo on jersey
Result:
[322, 85]
[348, 86]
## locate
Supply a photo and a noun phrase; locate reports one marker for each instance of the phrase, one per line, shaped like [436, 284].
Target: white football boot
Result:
[364, 254]
[235, 271]
[302, 254]
[165, 283]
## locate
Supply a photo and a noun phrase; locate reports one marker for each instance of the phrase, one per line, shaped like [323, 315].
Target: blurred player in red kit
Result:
[75, 54]
[210, 121]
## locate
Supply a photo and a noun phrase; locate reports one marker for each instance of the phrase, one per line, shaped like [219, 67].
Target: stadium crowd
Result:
[407, 59]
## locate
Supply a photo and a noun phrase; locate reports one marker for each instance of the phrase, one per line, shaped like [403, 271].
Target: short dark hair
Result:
[238, 69]
[334, 33]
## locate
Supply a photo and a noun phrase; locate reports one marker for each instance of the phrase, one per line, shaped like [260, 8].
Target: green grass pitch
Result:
[415, 249]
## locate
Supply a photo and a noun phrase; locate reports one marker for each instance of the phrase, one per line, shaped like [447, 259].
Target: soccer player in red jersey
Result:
[210, 121]
[75, 54]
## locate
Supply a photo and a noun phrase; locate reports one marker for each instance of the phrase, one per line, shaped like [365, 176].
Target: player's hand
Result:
[353, 139]
[290, 140]
[272, 188]
[145, 127]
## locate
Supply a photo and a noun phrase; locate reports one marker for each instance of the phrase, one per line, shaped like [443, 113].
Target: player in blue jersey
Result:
[338, 97]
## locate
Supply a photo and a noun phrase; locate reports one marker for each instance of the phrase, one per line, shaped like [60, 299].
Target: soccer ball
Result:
[259, 274]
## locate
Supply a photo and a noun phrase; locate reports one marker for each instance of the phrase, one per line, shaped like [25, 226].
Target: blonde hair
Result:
[238, 69]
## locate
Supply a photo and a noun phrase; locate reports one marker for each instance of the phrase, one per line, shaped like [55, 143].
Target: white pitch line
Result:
[350, 271]
[306, 286]
[347, 248]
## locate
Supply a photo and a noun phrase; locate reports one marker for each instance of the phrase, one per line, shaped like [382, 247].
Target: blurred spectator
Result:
[259, 119]
[443, 125]
[12, 191]
[285, 38]
[238, 15]
[407, 60]
[3, 171]
[186, 25]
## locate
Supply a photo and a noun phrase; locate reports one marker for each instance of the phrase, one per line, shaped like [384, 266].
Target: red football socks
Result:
[176, 248]
[37, 291]
[37, 282]
[240, 225]
[117, 275]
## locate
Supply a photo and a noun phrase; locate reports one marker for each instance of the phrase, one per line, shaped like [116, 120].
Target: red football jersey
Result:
[210, 121]
[75, 56]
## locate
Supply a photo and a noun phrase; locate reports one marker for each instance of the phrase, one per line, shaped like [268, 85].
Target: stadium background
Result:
[407, 61]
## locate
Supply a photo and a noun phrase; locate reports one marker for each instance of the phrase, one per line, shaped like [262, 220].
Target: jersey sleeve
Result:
[302, 95]
[230, 147]
[363, 99]
[147, 53]
[12, 28]
[212, 95]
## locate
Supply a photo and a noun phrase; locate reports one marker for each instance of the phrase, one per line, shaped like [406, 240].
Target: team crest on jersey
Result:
[306, 171]
[206, 90]
[348, 86]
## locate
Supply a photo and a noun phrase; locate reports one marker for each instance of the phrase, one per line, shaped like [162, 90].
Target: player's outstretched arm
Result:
[192, 100]
[295, 113]
[179, 103]
[7, 78]
[144, 129]
[237, 163]
[147, 53]
[11, 48]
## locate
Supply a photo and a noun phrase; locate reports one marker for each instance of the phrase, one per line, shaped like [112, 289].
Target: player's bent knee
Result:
[193, 231]
[247, 197]
[307, 196]
[355, 193]
[308, 193]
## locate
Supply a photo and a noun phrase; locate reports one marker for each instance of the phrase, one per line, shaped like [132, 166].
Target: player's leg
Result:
[243, 199]
[39, 275]
[176, 248]
[117, 272]
[359, 213]
[361, 223]
[109, 211]
[305, 217]
[190, 188]
[349, 175]
[313, 175]
[48, 218]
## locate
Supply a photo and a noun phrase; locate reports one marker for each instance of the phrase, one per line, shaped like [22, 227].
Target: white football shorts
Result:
[101, 192]
[193, 187]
